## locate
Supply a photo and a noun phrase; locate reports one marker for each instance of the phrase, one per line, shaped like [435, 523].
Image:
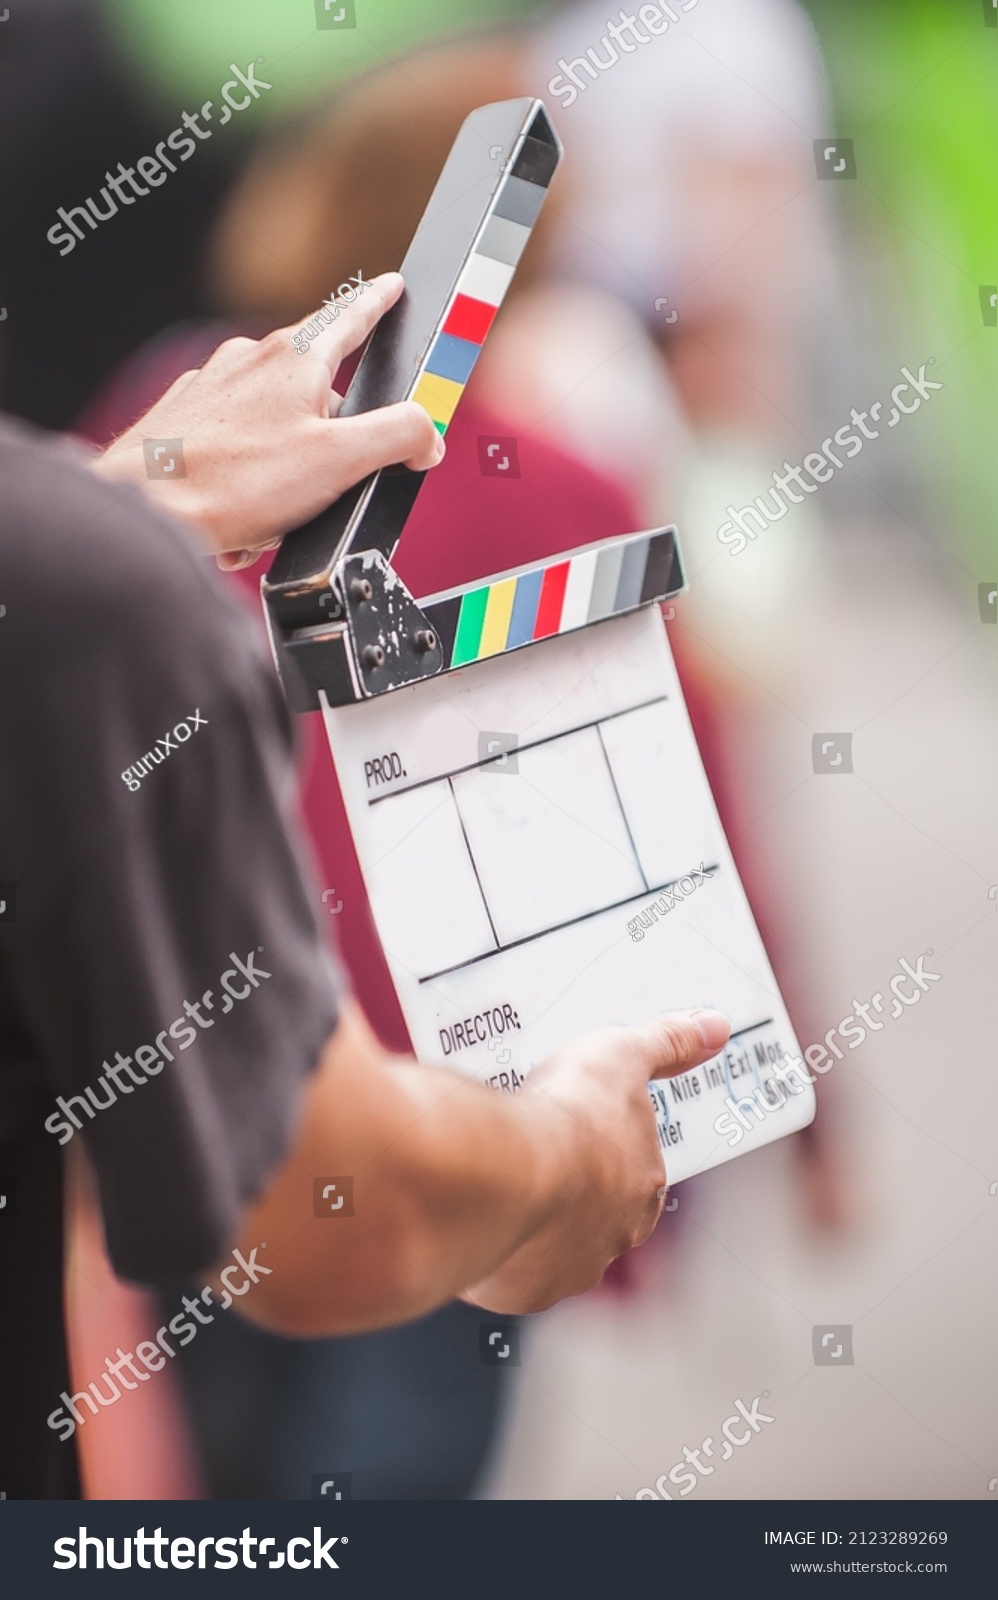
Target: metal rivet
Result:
[425, 640]
[360, 589]
[373, 655]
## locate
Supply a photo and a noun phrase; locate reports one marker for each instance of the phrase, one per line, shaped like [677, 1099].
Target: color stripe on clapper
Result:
[571, 591]
[483, 282]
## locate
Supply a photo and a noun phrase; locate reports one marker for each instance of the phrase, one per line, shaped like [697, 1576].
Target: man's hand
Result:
[528, 1197]
[598, 1087]
[264, 449]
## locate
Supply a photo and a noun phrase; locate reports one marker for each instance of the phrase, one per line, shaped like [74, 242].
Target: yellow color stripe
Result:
[495, 629]
[438, 396]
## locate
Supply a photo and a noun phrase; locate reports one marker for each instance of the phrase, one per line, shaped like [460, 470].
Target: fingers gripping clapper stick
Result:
[341, 619]
[517, 764]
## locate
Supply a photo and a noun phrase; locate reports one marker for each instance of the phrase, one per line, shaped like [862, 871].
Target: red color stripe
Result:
[469, 319]
[551, 600]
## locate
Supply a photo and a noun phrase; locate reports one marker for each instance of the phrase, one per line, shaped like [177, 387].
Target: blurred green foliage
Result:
[915, 84]
[182, 48]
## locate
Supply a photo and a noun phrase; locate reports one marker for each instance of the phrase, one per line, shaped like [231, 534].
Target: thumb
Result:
[675, 1043]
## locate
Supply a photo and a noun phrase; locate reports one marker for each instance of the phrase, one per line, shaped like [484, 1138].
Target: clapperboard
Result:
[537, 835]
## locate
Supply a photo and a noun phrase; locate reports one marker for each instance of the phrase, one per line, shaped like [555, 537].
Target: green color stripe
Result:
[469, 627]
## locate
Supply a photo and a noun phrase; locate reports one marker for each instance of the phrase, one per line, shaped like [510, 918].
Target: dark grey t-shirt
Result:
[164, 982]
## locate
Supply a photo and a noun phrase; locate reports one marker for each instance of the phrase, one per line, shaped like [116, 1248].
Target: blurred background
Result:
[709, 297]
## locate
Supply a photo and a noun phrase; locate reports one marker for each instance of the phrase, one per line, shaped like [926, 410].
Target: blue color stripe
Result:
[521, 622]
[452, 358]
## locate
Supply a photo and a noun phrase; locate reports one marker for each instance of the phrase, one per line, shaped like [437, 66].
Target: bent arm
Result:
[448, 1179]
[527, 1197]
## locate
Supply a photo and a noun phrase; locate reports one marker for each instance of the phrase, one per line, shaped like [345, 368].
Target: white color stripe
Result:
[485, 279]
[578, 591]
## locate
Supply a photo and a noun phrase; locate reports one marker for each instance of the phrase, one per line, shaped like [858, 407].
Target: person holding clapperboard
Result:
[130, 904]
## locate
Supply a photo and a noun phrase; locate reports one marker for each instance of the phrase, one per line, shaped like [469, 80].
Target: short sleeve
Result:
[167, 978]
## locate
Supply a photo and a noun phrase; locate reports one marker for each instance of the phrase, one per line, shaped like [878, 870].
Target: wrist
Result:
[124, 463]
[485, 1170]
[557, 1154]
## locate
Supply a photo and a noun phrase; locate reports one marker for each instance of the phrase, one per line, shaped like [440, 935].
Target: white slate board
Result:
[508, 901]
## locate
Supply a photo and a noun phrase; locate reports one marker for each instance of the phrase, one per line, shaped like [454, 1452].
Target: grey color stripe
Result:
[503, 240]
[520, 201]
[632, 572]
[605, 583]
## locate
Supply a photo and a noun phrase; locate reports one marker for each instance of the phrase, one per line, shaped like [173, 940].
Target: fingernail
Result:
[441, 447]
[713, 1027]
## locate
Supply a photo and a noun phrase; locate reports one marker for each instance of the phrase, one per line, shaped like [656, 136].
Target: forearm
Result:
[448, 1179]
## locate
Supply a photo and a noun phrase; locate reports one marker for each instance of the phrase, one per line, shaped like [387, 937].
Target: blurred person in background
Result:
[72, 109]
[679, 343]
